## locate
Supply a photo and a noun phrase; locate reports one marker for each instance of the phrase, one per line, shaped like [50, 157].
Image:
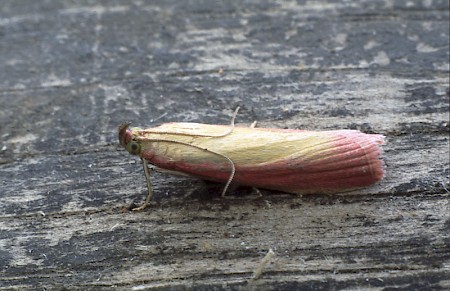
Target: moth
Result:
[288, 160]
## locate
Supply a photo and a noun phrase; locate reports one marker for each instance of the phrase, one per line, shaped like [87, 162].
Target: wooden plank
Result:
[72, 72]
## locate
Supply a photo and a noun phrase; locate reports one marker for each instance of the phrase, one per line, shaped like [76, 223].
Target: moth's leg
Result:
[249, 192]
[149, 187]
[257, 192]
[253, 125]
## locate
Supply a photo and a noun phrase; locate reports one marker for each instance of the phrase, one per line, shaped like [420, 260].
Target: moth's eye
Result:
[134, 148]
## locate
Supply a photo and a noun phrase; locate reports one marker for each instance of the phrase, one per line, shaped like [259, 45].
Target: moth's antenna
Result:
[147, 172]
[230, 130]
[231, 124]
[234, 116]
[147, 175]
[158, 118]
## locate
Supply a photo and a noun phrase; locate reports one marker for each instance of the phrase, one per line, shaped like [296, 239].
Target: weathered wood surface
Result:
[72, 71]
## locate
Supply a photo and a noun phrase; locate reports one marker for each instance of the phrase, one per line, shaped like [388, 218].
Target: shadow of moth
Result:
[293, 161]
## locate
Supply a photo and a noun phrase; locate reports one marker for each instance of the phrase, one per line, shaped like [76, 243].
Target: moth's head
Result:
[127, 140]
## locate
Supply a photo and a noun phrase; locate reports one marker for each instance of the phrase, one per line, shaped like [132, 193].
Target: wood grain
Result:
[71, 72]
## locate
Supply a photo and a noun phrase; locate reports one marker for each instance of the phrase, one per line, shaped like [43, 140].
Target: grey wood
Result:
[72, 71]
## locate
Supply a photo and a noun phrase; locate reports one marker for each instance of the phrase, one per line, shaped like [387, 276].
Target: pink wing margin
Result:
[349, 160]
